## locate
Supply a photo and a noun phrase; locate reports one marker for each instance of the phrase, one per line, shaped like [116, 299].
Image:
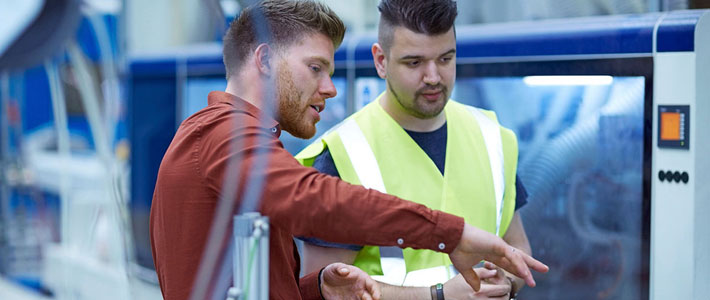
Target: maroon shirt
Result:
[298, 201]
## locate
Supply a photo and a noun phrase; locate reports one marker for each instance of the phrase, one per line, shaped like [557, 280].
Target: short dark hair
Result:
[432, 17]
[286, 21]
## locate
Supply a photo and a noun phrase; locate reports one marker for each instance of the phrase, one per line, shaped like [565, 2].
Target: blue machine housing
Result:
[593, 36]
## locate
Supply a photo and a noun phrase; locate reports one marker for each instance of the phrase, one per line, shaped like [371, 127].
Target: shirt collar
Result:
[244, 106]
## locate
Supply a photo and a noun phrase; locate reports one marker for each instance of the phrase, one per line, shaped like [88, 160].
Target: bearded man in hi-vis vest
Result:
[416, 143]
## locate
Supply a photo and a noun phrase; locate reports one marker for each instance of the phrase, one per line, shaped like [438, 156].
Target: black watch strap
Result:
[437, 291]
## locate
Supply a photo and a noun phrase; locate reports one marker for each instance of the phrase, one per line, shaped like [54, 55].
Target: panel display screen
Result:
[673, 128]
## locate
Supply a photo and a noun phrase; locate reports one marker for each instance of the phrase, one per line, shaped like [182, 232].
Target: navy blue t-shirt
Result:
[434, 145]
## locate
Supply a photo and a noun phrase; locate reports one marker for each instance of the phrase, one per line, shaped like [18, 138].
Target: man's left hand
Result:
[341, 281]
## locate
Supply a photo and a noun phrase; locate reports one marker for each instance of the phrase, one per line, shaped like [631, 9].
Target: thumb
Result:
[334, 269]
[471, 278]
[490, 266]
[486, 273]
[343, 271]
[374, 290]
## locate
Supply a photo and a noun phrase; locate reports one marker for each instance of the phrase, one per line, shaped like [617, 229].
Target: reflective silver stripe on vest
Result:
[361, 156]
[494, 145]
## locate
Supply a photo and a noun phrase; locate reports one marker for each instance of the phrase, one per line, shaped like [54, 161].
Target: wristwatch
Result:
[437, 291]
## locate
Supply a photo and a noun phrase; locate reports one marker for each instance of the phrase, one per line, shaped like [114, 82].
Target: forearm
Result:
[394, 292]
[315, 257]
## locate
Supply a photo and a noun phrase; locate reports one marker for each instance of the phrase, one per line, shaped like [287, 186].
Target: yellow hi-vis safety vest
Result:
[371, 149]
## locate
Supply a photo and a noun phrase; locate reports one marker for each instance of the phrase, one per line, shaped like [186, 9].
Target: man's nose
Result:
[327, 88]
[431, 74]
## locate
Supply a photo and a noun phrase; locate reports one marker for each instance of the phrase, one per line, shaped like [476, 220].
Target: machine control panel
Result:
[674, 126]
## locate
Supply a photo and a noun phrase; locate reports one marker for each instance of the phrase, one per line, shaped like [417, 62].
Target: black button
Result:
[684, 177]
[661, 175]
[669, 176]
[676, 176]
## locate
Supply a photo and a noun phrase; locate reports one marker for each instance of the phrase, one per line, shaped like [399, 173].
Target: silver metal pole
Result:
[251, 257]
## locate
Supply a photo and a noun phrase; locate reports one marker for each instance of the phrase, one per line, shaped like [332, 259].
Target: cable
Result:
[253, 249]
[4, 186]
[63, 145]
[110, 84]
[111, 93]
[89, 97]
[4, 145]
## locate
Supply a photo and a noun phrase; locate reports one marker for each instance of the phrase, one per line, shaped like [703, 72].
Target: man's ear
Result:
[378, 55]
[263, 56]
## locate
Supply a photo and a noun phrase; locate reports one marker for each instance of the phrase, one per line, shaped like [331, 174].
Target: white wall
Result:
[158, 24]
[357, 15]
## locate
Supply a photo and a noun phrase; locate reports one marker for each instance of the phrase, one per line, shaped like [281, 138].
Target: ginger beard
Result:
[292, 107]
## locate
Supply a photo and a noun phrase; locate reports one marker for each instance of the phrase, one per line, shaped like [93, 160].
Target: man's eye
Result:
[315, 69]
[413, 63]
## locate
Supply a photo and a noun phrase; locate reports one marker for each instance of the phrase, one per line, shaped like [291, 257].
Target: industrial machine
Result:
[609, 113]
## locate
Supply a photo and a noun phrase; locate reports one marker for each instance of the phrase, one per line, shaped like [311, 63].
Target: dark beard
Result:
[418, 109]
